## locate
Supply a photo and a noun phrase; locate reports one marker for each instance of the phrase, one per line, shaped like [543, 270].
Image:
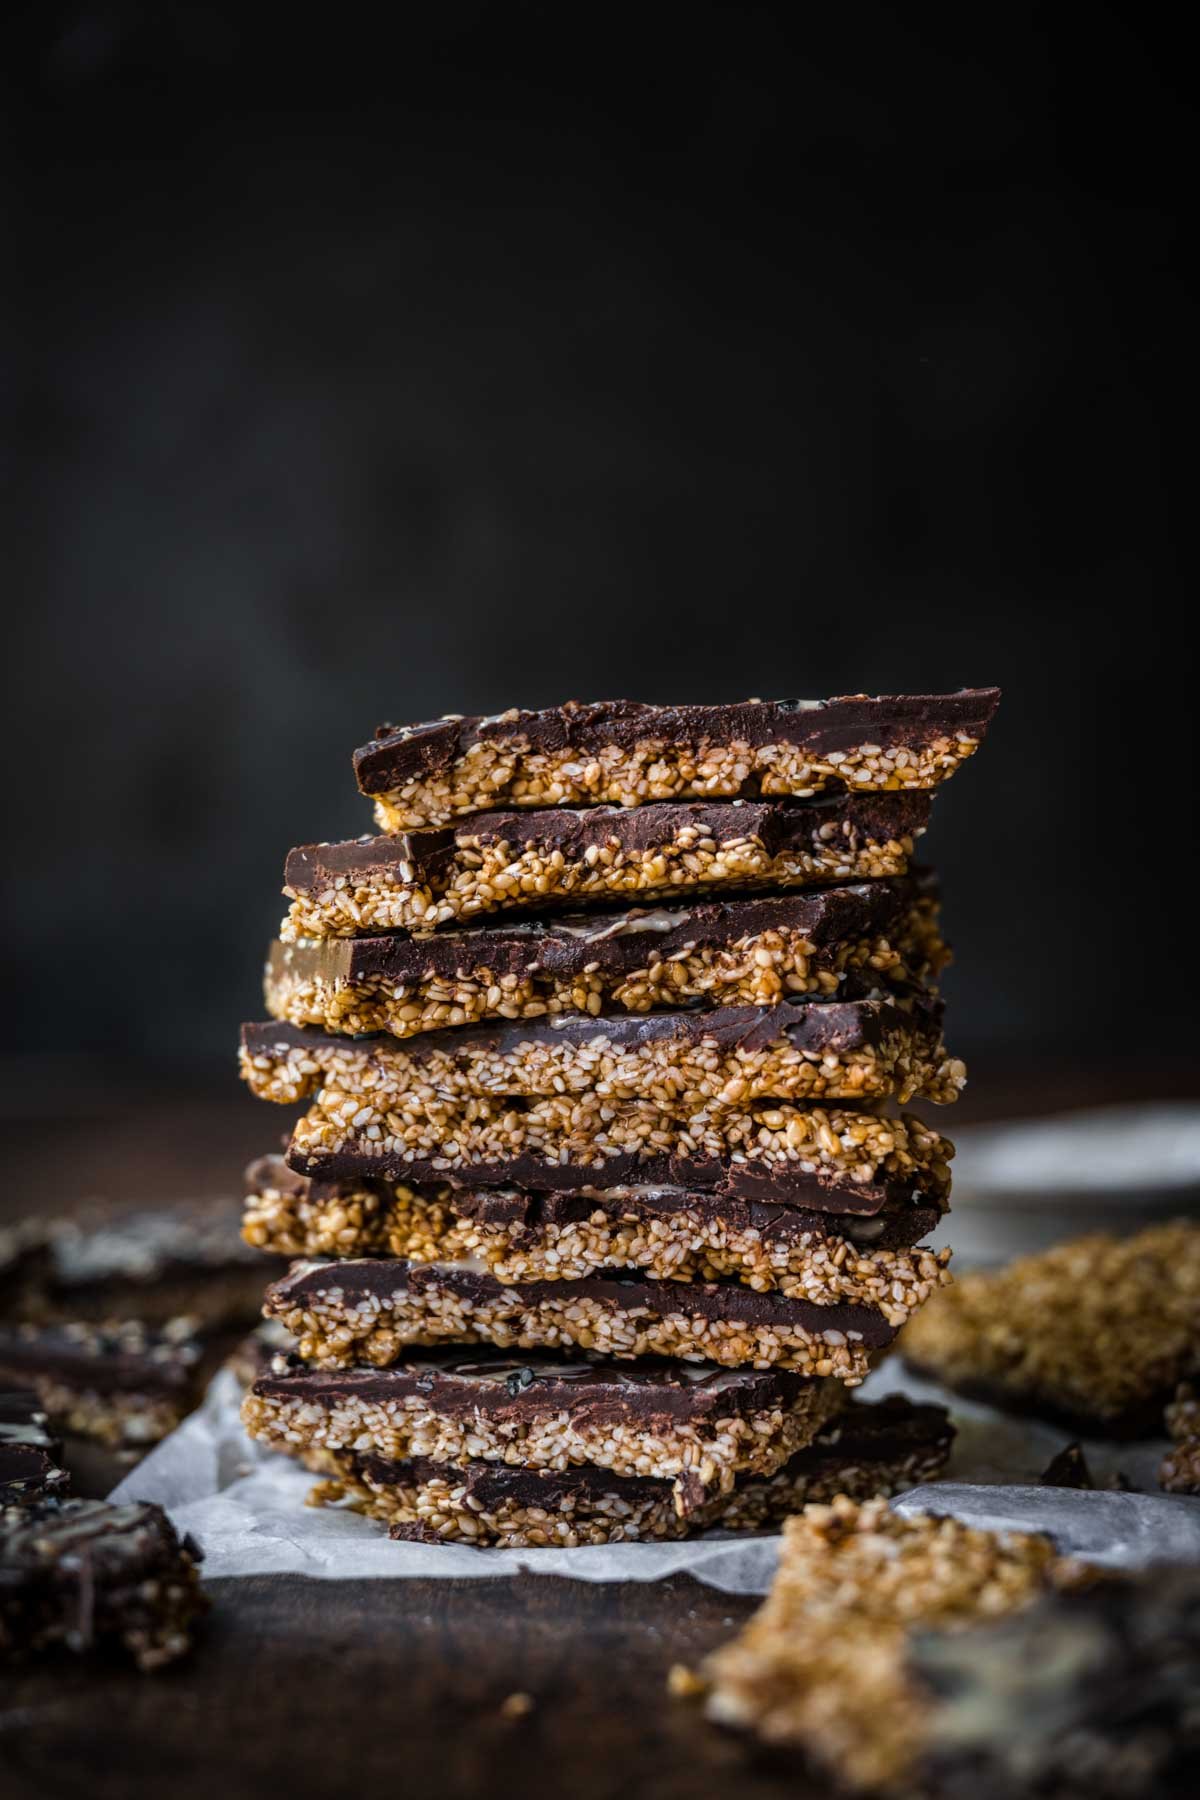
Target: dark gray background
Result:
[683, 353]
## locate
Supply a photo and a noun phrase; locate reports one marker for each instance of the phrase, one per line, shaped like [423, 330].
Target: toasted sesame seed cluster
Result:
[628, 756]
[897, 1447]
[677, 1237]
[1095, 1332]
[822, 1269]
[700, 1455]
[507, 773]
[756, 969]
[339, 1329]
[899, 1054]
[488, 876]
[823, 1666]
[600, 1051]
[584, 1132]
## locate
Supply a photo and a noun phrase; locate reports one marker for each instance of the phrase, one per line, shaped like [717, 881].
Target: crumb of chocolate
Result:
[1069, 1469]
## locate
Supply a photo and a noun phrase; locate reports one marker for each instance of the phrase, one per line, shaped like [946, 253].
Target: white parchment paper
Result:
[245, 1506]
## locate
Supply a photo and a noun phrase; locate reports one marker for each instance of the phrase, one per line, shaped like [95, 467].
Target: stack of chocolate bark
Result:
[115, 1317]
[603, 1044]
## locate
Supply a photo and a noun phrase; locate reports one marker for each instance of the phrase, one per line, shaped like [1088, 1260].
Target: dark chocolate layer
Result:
[127, 1358]
[457, 1384]
[423, 857]
[360, 1278]
[30, 1458]
[900, 1224]
[814, 1026]
[864, 1433]
[896, 1228]
[618, 942]
[404, 753]
[782, 1184]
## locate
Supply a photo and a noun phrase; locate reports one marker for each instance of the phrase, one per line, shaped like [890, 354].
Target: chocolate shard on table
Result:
[667, 1232]
[823, 1667]
[501, 861]
[1089, 1693]
[1092, 1334]
[865, 1450]
[830, 1159]
[153, 1265]
[846, 942]
[371, 1310]
[626, 753]
[125, 1384]
[858, 1051]
[31, 1465]
[695, 1425]
[84, 1575]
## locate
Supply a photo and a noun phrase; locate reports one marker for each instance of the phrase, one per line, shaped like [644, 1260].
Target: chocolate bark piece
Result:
[629, 753]
[1069, 1469]
[1092, 1334]
[1087, 1693]
[30, 1457]
[373, 1309]
[823, 1665]
[868, 1449]
[840, 942]
[153, 1265]
[124, 1384]
[84, 1575]
[693, 1424]
[913, 1438]
[669, 1233]
[832, 1161]
[498, 861]
[899, 1225]
[853, 1050]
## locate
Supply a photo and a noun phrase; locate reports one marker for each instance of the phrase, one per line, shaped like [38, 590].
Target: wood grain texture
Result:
[305, 1688]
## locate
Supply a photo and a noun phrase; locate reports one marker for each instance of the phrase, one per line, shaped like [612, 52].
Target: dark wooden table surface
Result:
[301, 1688]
